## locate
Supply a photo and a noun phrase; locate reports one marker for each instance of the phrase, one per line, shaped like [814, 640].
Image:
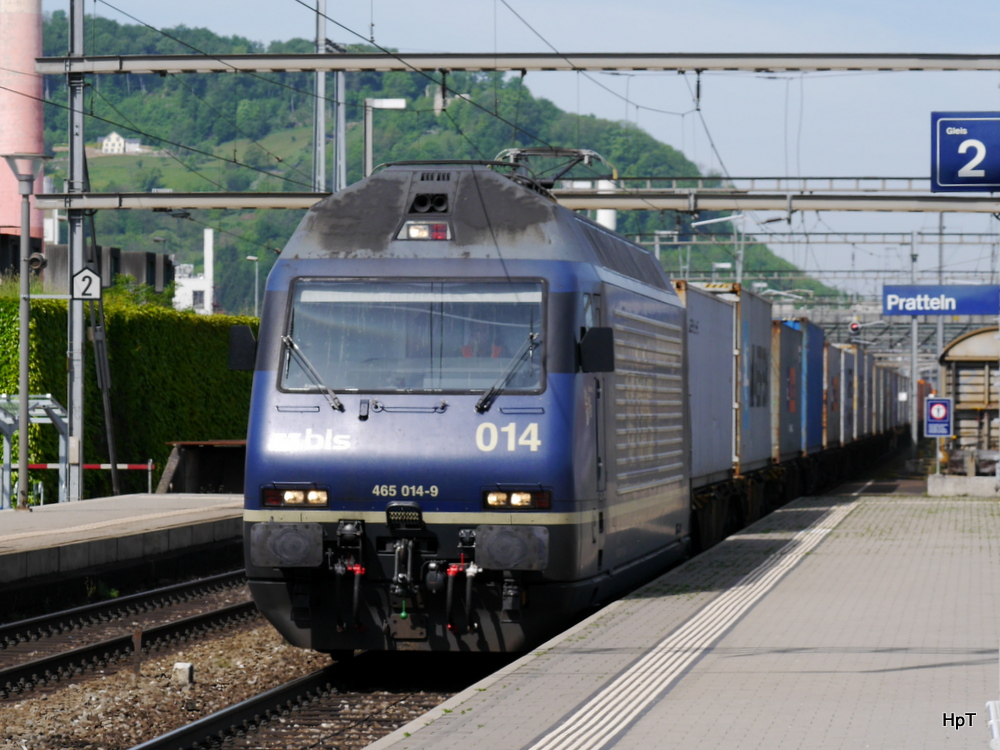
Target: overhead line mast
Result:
[319, 106]
[75, 187]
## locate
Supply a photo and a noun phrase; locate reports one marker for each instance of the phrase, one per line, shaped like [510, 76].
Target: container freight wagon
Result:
[878, 398]
[786, 374]
[832, 416]
[860, 395]
[742, 363]
[813, 386]
[753, 368]
[869, 377]
[711, 351]
[849, 396]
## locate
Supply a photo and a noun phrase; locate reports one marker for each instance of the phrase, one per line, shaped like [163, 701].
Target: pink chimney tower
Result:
[20, 104]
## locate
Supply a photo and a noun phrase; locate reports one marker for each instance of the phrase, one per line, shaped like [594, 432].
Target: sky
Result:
[785, 124]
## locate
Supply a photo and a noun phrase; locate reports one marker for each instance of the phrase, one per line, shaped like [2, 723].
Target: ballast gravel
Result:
[118, 710]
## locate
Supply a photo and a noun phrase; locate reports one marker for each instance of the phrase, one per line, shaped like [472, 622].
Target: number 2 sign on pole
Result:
[86, 285]
[965, 151]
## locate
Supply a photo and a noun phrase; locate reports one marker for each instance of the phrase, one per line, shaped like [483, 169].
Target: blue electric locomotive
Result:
[467, 422]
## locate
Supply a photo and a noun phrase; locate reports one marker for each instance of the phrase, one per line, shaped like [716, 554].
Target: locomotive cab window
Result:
[415, 336]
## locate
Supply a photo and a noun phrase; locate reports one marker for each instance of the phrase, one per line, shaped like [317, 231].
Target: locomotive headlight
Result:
[496, 499]
[518, 500]
[275, 497]
[425, 230]
[521, 499]
[293, 497]
[316, 497]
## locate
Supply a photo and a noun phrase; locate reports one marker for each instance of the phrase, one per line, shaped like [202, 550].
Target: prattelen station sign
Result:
[928, 299]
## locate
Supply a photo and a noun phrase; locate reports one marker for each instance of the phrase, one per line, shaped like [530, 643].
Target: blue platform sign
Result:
[937, 417]
[965, 151]
[933, 299]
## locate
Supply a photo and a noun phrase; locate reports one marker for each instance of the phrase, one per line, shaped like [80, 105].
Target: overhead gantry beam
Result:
[577, 200]
[176, 201]
[720, 200]
[570, 61]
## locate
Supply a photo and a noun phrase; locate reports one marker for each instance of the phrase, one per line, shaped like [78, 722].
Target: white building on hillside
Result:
[113, 143]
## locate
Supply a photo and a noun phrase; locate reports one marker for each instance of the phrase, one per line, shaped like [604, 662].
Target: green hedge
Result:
[169, 381]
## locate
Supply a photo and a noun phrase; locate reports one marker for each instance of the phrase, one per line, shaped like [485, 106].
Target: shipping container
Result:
[813, 385]
[711, 357]
[878, 399]
[890, 379]
[832, 379]
[869, 394]
[848, 390]
[860, 394]
[786, 387]
[753, 355]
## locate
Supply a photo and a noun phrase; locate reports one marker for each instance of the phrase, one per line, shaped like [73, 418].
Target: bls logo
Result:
[291, 442]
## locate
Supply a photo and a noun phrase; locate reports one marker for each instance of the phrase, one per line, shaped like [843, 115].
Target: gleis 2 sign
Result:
[965, 151]
[979, 299]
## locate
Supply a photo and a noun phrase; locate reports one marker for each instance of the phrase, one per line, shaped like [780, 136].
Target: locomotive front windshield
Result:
[414, 336]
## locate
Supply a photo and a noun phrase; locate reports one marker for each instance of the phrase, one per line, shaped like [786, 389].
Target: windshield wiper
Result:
[307, 367]
[523, 354]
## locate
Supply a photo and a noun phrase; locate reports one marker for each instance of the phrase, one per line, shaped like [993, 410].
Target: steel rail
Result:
[37, 673]
[249, 712]
[58, 622]
[690, 201]
[543, 61]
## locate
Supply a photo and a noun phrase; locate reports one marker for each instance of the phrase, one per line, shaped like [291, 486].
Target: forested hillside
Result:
[254, 132]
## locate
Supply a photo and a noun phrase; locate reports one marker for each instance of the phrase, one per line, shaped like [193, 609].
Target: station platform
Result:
[847, 621]
[72, 538]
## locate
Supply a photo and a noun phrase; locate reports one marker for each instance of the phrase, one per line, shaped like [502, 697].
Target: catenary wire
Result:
[586, 74]
[156, 137]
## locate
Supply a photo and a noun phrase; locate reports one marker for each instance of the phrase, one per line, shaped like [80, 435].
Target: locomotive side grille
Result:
[435, 176]
[649, 403]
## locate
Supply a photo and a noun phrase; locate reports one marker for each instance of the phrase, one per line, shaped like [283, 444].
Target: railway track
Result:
[345, 706]
[38, 652]
[49, 625]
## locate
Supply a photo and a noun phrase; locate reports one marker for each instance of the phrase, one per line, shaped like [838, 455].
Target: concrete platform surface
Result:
[65, 537]
[846, 621]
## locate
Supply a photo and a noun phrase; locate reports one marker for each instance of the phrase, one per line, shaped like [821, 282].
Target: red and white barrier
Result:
[147, 467]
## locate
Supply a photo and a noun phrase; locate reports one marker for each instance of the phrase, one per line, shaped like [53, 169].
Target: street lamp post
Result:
[371, 104]
[25, 168]
[256, 281]
[660, 234]
[720, 267]
[739, 266]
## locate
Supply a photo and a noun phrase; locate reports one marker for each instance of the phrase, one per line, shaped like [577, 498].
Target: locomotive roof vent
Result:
[435, 176]
[433, 203]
